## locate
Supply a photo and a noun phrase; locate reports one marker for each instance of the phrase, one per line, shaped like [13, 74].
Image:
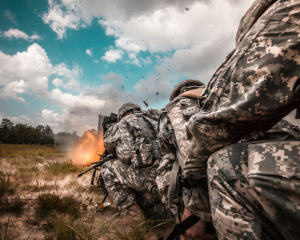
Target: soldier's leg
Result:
[231, 219]
[257, 203]
[123, 197]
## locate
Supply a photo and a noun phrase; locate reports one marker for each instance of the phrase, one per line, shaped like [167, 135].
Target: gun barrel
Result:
[97, 164]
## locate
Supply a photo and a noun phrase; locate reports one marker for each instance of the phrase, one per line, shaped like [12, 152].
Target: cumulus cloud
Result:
[57, 82]
[96, 61]
[31, 67]
[16, 33]
[113, 55]
[12, 90]
[10, 16]
[157, 26]
[71, 75]
[89, 52]
[60, 20]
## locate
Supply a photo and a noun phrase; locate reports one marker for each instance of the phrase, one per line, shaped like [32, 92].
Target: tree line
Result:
[24, 134]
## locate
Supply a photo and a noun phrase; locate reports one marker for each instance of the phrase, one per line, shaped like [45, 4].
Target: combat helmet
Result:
[184, 86]
[127, 107]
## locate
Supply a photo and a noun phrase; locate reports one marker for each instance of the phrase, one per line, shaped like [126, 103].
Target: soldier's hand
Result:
[196, 232]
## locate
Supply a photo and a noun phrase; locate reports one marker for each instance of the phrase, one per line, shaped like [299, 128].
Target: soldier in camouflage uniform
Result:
[252, 90]
[172, 133]
[130, 180]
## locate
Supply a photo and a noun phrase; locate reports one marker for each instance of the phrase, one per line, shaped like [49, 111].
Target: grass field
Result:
[40, 198]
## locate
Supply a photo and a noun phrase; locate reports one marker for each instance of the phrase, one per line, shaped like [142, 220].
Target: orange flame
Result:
[86, 149]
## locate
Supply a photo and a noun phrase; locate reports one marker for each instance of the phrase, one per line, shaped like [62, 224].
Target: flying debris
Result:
[122, 87]
[145, 103]
[142, 76]
[126, 77]
[157, 93]
[187, 9]
[168, 69]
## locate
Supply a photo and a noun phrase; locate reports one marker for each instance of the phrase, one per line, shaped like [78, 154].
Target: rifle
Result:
[97, 164]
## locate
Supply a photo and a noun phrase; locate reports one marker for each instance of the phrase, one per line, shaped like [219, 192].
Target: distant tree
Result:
[24, 134]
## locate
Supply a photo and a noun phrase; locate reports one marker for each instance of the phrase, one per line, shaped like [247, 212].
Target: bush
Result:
[49, 203]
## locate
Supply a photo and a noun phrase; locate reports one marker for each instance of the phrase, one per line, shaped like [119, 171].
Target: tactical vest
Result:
[146, 143]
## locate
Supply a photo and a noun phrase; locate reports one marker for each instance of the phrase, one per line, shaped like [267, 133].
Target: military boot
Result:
[132, 215]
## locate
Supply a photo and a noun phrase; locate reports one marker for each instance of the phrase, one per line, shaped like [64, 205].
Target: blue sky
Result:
[63, 62]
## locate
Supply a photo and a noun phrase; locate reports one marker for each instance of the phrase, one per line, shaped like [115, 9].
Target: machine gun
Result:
[103, 159]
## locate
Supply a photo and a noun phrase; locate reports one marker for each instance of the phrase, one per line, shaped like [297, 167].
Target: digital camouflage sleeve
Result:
[253, 89]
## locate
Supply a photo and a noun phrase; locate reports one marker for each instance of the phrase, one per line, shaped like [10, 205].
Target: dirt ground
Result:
[41, 198]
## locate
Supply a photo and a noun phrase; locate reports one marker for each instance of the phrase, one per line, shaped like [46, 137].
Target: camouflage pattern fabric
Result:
[122, 137]
[255, 190]
[128, 186]
[252, 90]
[175, 117]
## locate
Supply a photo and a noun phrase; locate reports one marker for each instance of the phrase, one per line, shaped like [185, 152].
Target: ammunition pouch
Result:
[146, 153]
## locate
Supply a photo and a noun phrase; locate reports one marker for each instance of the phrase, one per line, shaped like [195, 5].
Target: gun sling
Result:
[180, 228]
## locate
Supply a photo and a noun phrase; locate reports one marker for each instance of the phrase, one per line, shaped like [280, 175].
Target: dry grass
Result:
[33, 172]
[62, 167]
[7, 231]
[37, 187]
[6, 186]
[64, 228]
[29, 151]
[47, 204]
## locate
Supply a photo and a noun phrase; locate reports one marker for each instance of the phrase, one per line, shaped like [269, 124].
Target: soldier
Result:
[172, 133]
[252, 90]
[130, 180]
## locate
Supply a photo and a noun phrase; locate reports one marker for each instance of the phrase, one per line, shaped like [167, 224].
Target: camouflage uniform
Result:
[172, 133]
[254, 188]
[128, 182]
[250, 92]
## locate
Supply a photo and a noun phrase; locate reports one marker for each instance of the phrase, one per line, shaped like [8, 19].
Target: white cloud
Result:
[89, 52]
[57, 82]
[10, 16]
[16, 33]
[22, 119]
[158, 25]
[96, 61]
[113, 55]
[12, 90]
[71, 75]
[134, 59]
[60, 20]
[32, 66]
